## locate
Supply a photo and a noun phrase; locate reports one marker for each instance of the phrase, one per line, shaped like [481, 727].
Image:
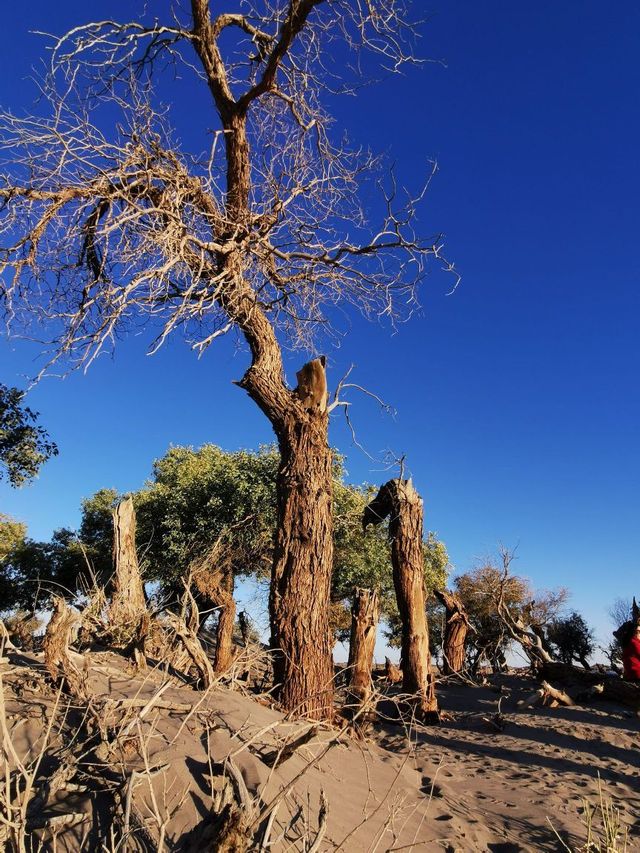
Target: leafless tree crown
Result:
[106, 221]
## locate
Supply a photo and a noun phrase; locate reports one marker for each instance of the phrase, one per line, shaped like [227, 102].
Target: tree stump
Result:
[128, 605]
[55, 646]
[399, 500]
[364, 624]
[455, 632]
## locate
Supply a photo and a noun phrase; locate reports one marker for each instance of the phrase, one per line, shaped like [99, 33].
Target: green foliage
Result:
[572, 638]
[33, 571]
[479, 590]
[12, 534]
[197, 496]
[194, 497]
[24, 447]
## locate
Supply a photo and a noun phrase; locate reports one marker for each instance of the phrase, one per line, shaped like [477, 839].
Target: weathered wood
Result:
[455, 633]
[212, 575]
[614, 688]
[392, 672]
[194, 649]
[128, 606]
[303, 562]
[55, 646]
[399, 500]
[364, 624]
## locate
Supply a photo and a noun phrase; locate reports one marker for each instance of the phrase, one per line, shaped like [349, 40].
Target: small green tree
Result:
[24, 446]
[572, 639]
[33, 571]
[479, 590]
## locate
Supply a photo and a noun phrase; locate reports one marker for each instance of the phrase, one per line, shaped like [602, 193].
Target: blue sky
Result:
[517, 397]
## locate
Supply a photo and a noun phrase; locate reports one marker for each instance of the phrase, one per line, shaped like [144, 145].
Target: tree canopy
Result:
[24, 446]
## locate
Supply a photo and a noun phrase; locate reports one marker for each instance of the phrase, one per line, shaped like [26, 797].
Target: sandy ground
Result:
[462, 787]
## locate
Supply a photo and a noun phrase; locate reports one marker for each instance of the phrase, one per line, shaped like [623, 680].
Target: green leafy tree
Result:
[197, 496]
[479, 590]
[572, 639]
[33, 571]
[12, 535]
[24, 446]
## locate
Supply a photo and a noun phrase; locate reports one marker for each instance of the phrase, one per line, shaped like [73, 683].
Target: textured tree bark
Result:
[303, 555]
[364, 624]
[455, 632]
[128, 605]
[403, 504]
[224, 633]
[301, 575]
[55, 646]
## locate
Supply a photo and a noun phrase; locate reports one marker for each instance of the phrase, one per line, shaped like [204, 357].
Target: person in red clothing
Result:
[631, 656]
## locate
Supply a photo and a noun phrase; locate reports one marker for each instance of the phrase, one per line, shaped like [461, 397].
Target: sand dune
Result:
[462, 787]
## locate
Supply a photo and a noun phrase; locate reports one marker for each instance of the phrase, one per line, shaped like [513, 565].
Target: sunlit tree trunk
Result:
[399, 500]
[128, 605]
[364, 624]
[455, 631]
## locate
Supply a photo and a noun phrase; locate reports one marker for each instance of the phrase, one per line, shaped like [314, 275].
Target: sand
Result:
[464, 786]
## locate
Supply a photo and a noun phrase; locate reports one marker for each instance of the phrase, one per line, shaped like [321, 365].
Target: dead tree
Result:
[128, 608]
[531, 641]
[399, 500]
[457, 626]
[55, 647]
[258, 236]
[364, 624]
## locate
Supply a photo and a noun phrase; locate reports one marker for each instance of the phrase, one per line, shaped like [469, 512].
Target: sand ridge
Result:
[461, 787]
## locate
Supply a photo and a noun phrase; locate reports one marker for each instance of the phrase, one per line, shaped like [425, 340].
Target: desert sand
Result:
[146, 763]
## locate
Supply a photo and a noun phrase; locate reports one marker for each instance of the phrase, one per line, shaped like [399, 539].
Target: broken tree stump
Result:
[455, 633]
[364, 624]
[399, 500]
[393, 673]
[128, 606]
[55, 645]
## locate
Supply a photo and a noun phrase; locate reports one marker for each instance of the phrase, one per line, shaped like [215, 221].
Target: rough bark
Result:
[128, 605]
[364, 623]
[223, 657]
[212, 576]
[403, 504]
[55, 646]
[301, 576]
[300, 585]
[455, 632]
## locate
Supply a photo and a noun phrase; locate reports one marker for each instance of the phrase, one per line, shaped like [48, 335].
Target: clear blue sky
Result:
[517, 397]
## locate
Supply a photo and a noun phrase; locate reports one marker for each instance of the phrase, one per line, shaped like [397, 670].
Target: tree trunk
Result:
[128, 606]
[364, 623]
[224, 632]
[301, 576]
[303, 554]
[455, 632]
[400, 500]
